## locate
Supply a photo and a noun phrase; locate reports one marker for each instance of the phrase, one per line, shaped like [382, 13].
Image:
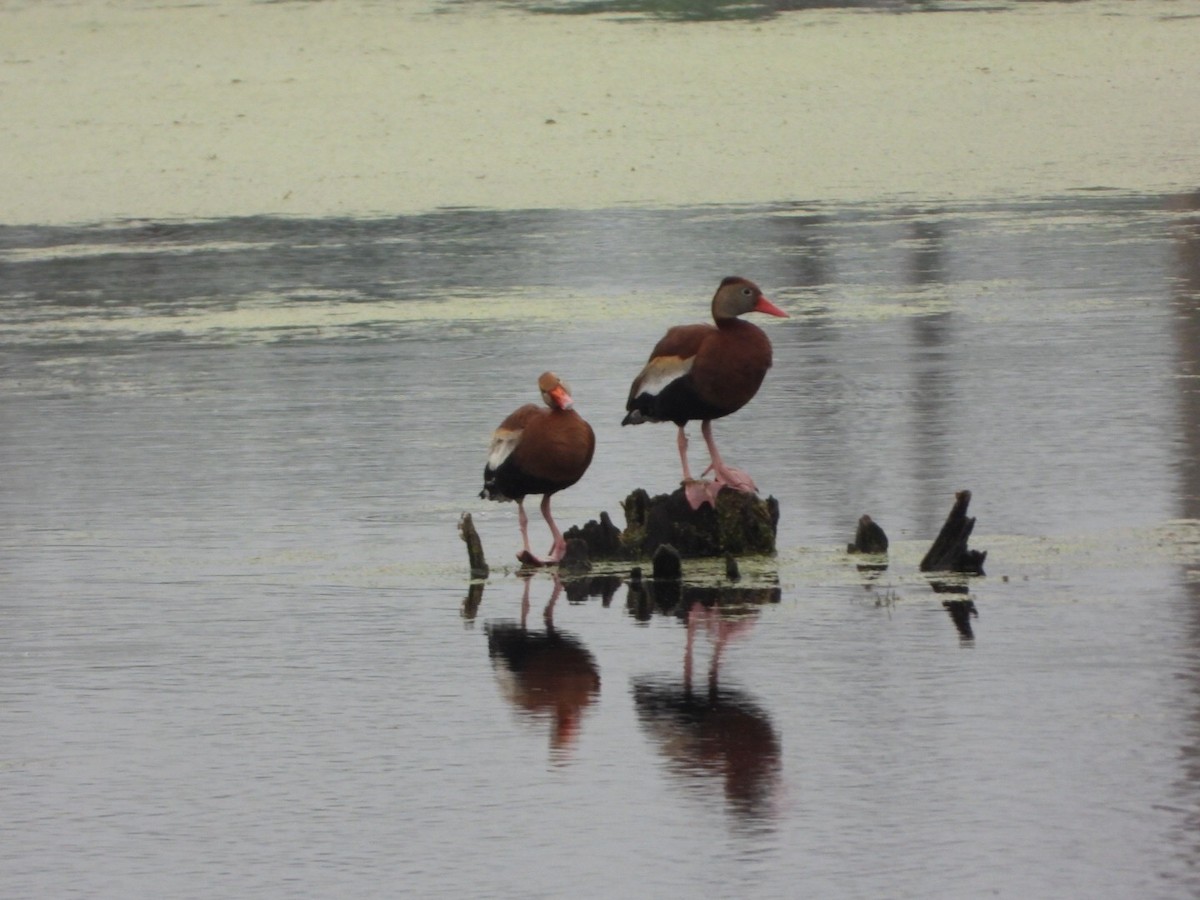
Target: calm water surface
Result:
[241, 656]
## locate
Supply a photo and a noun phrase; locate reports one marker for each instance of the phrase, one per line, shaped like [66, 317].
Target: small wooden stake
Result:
[466, 529]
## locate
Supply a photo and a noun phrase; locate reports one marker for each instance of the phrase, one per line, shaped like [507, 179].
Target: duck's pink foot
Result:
[735, 479]
[552, 559]
[697, 491]
[526, 558]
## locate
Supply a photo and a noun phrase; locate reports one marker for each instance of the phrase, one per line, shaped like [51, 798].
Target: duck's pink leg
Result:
[557, 549]
[682, 441]
[727, 476]
[696, 490]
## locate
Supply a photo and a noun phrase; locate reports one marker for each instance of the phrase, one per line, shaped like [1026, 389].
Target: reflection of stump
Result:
[674, 598]
[741, 524]
[471, 602]
[961, 612]
[580, 588]
[949, 552]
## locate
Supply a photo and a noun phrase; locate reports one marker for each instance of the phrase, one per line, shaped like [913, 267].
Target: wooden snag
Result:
[949, 552]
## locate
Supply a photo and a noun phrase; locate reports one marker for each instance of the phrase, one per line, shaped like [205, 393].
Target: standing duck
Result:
[705, 372]
[539, 450]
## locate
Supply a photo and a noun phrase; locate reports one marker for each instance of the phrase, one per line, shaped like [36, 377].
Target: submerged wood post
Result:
[466, 529]
[949, 552]
[667, 563]
[731, 567]
[868, 538]
[870, 541]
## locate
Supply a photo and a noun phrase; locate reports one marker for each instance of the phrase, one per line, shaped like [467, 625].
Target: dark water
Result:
[240, 657]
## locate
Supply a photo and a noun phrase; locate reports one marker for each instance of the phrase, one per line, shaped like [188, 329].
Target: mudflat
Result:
[354, 108]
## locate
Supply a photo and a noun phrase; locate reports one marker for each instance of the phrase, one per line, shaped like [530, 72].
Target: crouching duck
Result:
[539, 450]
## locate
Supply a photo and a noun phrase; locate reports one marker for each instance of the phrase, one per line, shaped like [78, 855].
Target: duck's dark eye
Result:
[747, 291]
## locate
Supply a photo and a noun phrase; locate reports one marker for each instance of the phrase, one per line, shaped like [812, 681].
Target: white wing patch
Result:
[661, 371]
[504, 442]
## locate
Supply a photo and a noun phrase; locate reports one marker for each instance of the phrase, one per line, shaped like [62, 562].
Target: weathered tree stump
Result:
[466, 529]
[602, 539]
[577, 559]
[868, 538]
[740, 524]
[870, 541]
[949, 552]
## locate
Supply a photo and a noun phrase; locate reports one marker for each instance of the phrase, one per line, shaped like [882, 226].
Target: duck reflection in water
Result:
[716, 731]
[547, 675]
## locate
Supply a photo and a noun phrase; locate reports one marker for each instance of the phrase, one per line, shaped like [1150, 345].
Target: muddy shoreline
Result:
[237, 109]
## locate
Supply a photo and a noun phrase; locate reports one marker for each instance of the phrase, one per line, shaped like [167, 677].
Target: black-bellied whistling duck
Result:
[705, 372]
[539, 450]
